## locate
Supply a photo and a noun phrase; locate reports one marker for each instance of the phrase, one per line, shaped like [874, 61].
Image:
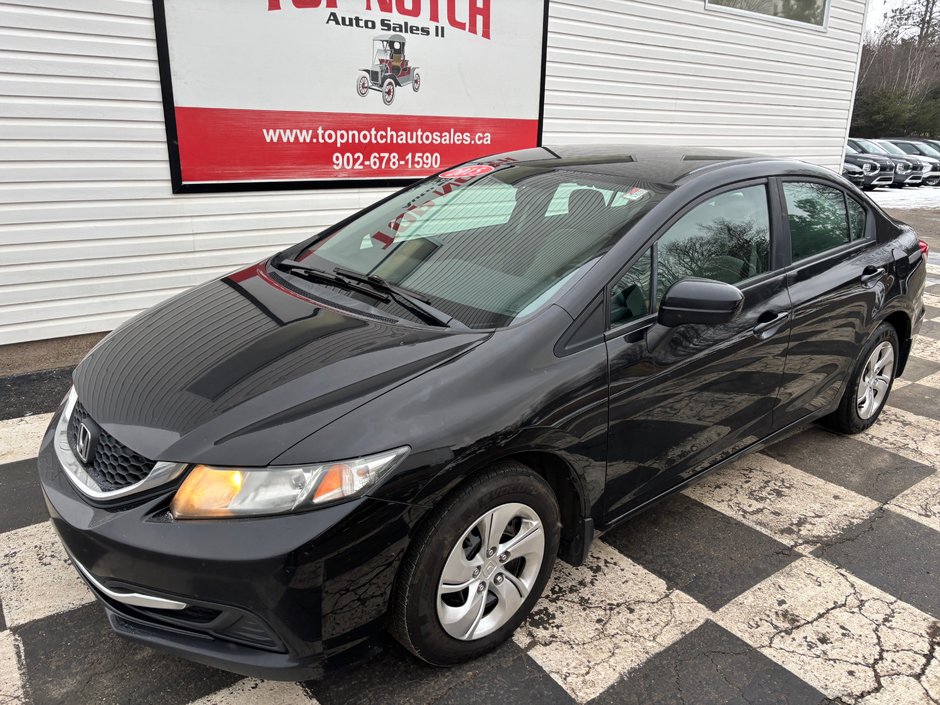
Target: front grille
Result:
[113, 465]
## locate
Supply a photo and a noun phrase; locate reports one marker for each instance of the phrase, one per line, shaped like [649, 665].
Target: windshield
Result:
[849, 149]
[870, 147]
[928, 150]
[486, 250]
[893, 149]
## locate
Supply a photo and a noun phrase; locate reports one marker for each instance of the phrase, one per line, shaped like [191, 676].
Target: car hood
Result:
[858, 160]
[238, 370]
[877, 158]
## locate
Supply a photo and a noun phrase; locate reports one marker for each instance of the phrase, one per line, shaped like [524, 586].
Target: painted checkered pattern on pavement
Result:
[808, 573]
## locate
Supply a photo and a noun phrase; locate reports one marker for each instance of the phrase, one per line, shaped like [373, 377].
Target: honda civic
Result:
[397, 425]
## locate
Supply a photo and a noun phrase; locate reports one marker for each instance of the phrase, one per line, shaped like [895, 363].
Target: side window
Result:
[630, 297]
[857, 219]
[725, 238]
[817, 218]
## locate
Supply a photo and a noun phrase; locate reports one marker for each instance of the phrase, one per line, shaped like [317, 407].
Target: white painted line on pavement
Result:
[252, 691]
[921, 502]
[19, 438]
[607, 617]
[841, 635]
[36, 577]
[913, 436]
[794, 507]
[11, 679]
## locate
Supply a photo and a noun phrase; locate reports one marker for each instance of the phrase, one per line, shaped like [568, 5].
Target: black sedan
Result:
[399, 423]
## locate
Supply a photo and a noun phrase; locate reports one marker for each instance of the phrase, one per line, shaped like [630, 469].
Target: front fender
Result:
[587, 474]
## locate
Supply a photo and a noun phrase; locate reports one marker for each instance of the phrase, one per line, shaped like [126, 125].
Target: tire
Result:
[854, 416]
[362, 86]
[423, 619]
[388, 91]
[416, 82]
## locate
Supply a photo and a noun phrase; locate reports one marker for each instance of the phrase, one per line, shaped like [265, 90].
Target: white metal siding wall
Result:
[90, 232]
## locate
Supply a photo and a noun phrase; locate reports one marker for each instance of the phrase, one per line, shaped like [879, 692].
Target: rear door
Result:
[682, 398]
[838, 276]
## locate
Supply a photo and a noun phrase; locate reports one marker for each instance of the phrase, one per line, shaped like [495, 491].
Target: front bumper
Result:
[286, 597]
[879, 179]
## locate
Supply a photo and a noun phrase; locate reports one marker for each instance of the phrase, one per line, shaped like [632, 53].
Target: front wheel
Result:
[416, 82]
[388, 91]
[362, 86]
[870, 383]
[477, 568]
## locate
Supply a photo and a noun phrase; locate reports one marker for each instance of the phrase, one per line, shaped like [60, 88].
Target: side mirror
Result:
[701, 301]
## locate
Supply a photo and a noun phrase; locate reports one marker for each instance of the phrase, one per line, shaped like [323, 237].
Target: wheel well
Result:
[559, 476]
[902, 325]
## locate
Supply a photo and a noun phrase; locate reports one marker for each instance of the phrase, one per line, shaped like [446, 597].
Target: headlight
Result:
[903, 168]
[210, 492]
[868, 167]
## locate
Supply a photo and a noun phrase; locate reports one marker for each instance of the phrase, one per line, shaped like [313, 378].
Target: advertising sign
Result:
[267, 93]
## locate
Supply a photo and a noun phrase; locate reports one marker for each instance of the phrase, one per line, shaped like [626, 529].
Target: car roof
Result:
[389, 38]
[661, 164]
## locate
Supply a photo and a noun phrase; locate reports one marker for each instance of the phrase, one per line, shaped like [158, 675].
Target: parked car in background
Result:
[899, 167]
[871, 175]
[904, 172]
[400, 422]
[920, 166]
[925, 151]
[853, 173]
[933, 143]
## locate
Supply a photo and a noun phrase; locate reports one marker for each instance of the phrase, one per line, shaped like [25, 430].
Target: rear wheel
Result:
[476, 569]
[870, 384]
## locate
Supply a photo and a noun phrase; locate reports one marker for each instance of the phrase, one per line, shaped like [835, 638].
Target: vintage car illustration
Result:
[390, 69]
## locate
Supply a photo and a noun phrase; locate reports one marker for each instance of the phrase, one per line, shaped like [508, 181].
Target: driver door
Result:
[683, 398]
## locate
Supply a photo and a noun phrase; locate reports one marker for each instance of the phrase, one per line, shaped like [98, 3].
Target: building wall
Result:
[90, 232]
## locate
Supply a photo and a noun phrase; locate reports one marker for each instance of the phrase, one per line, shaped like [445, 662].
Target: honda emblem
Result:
[83, 446]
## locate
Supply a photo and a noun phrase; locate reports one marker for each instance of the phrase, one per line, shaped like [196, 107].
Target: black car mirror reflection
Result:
[700, 301]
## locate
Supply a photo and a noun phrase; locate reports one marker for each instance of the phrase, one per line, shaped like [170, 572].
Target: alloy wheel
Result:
[490, 571]
[875, 380]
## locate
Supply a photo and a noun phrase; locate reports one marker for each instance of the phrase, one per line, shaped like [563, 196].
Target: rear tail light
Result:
[924, 248]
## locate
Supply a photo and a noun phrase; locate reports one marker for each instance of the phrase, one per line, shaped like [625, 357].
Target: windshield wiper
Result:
[321, 275]
[414, 302]
[376, 287]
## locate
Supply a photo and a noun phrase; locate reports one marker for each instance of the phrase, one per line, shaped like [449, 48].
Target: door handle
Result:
[872, 273]
[766, 327]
